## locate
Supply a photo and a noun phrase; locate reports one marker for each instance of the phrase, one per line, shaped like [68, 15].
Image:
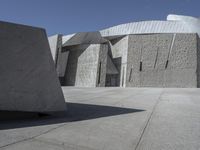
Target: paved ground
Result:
[112, 119]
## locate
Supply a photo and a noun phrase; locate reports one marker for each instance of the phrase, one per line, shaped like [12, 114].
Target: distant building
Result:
[138, 54]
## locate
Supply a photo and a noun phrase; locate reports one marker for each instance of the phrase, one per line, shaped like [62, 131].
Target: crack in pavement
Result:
[148, 121]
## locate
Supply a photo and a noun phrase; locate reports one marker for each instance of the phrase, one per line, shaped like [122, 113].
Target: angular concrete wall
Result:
[162, 60]
[60, 57]
[54, 44]
[102, 65]
[84, 65]
[119, 49]
[28, 76]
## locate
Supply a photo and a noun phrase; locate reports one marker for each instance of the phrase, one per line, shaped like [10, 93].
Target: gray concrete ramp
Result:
[28, 80]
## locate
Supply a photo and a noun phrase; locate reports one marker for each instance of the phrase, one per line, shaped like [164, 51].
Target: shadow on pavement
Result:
[75, 112]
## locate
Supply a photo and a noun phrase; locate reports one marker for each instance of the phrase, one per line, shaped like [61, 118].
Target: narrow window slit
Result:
[141, 66]
[130, 75]
[166, 64]
[99, 78]
[156, 59]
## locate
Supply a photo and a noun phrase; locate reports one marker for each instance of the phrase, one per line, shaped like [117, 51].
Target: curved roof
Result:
[173, 24]
[192, 23]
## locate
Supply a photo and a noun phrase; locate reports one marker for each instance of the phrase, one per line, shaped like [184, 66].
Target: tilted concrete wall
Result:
[148, 55]
[28, 80]
[53, 43]
[102, 63]
[83, 64]
[119, 49]
[60, 57]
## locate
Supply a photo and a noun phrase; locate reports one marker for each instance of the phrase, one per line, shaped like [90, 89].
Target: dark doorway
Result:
[114, 79]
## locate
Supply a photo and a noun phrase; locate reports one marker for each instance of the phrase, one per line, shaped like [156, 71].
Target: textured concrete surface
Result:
[102, 66]
[110, 67]
[119, 48]
[27, 69]
[112, 119]
[85, 64]
[165, 62]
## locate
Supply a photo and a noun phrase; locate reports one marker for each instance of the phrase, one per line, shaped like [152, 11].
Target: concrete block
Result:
[28, 76]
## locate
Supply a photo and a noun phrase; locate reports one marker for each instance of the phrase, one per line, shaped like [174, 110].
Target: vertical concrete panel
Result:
[71, 70]
[133, 61]
[163, 43]
[87, 67]
[60, 58]
[62, 63]
[53, 43]
[82, 65]
[149, 51]
[154, 60]
[101, 80]
[182, 66]
[184, 52]
[120, 49]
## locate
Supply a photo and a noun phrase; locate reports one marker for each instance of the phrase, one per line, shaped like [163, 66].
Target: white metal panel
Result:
[145, 27]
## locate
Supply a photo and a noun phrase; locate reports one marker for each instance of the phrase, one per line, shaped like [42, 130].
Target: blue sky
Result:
[69, 16]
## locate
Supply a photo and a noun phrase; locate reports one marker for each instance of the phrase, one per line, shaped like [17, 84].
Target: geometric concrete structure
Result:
[86, 66]
[28, 79]
[139, 54]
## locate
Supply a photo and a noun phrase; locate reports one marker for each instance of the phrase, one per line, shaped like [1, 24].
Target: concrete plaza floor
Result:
[112, 119]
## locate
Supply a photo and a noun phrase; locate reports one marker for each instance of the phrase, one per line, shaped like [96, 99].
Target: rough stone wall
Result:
[119, 49]
[82, 66]
[162, 60]
[181, 71]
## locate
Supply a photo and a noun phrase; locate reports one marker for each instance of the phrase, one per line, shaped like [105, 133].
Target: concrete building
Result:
[138, 54]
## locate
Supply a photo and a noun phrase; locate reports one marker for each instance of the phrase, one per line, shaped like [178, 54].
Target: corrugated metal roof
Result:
[146, 27]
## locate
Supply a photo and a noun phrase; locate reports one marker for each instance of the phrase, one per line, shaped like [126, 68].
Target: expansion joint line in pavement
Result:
[148, 121]
[27, 139]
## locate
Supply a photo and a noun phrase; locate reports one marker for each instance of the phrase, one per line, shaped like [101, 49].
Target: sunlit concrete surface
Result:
[111, 119]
